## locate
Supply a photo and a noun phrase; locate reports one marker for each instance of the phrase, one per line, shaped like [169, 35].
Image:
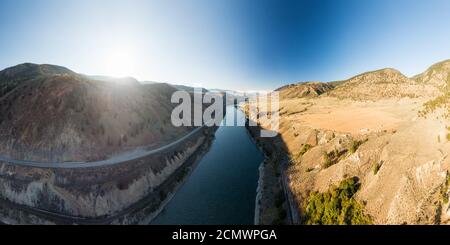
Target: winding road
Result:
[128, 156]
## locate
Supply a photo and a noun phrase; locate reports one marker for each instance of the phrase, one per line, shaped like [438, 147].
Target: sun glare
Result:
[120, 62]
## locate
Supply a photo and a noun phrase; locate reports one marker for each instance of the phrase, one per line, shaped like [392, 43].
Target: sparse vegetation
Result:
[438, 213]
[162, 195]
[336, 207]
[304, 149]
[183, 173]
[332, 157]
[444, 189]
[442, 101]
[436, 103]
[327, 160]
[356, 144]
[443, 201]
[309, 170]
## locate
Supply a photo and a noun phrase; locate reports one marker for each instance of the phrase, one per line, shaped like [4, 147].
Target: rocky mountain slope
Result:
[438, 76]
[49, 113]
[14, 76]
[365, 151]
[383, 84]
[306, 89]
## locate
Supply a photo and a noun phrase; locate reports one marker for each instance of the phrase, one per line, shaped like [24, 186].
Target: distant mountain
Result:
[52, 113]
[374, 85]
[382, 84]
[189, 88]
[305, 89]
[118, 80]
[231, 95]
[148, 82]
[12, 77]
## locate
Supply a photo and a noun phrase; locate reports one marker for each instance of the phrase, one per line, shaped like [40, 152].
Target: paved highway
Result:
[111, 161]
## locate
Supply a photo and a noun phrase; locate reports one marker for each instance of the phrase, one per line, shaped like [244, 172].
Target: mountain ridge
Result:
[51, 113]
[377, 84]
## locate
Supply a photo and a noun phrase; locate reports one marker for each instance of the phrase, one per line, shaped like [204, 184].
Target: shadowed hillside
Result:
[53, 114]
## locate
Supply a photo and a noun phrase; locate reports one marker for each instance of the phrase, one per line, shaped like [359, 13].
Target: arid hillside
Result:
[49, 113]
[383, 84]
[437, 75]
[375, 149]
[306, 89]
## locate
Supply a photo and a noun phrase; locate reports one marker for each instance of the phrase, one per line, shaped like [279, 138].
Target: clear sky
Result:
[230, 44]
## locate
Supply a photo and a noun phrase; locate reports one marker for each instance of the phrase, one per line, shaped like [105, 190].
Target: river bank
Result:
[169, 189]
[272, 207]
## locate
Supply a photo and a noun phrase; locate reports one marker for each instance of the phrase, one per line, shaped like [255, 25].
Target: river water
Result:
[222, 188]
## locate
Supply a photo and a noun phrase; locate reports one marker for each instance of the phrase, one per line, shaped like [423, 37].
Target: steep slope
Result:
[14, 76]
[382, 84]
[306, 89]
[438, 75]
[50, 113]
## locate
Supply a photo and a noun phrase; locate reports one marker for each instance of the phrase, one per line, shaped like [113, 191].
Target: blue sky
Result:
[231, 44]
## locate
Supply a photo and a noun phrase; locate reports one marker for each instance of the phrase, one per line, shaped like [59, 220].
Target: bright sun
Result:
[120, 62]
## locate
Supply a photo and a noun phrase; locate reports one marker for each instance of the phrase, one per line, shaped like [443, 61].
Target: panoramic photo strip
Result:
[207, 120]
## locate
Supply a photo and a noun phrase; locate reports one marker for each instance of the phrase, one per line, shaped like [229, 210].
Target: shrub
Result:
[304, 149]
[162, 195]
[336, 206]
[333, 157]
[444, 189]
[435, 103]
[327, 160]
[447, 182]
[356, 144]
